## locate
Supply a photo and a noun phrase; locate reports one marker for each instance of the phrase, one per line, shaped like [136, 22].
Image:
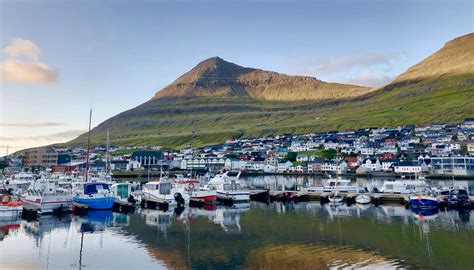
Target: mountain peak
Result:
[215, 77]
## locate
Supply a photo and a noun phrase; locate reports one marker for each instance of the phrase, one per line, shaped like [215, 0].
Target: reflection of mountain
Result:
[376, 231]
[296, 256]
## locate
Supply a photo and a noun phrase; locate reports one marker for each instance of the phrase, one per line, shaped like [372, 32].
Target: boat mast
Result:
[107, 155]
[88, 144]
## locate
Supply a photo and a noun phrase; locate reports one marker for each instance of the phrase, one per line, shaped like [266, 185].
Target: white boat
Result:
[46, 197]
[403, 187]
[227, 186]
[9, 209]
[362, 199]
[335, 198]
[342, 185]
[18, 183]
[164, 192]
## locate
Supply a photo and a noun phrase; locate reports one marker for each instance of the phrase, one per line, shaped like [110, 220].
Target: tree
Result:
[291, 156]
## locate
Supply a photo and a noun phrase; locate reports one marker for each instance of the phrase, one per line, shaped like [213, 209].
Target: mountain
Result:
[218, 100]
[215, 77]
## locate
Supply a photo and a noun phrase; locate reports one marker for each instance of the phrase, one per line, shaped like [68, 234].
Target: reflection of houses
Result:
[147, 158]
[457, 165]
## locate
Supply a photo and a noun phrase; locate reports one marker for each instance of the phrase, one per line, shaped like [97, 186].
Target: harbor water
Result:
[253, 235]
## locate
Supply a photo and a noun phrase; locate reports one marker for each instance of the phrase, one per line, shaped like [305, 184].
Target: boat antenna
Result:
[88, 144]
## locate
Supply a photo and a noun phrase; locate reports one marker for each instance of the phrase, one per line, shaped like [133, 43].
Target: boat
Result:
[18, 183]
[94, 195]
[423, 200]
[335, 198]
[228, 187]
[123, 198]
[163, 193]
[458, 198]
[9, 208]
[45, 197]
[342, 185]
[362, 199]
[196, 195]
[403, 187]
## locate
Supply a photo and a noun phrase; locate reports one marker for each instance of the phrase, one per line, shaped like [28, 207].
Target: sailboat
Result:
[362, 198]
[335, 197]
[95, 195]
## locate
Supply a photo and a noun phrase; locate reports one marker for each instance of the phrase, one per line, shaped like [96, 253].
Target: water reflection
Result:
[252, 235]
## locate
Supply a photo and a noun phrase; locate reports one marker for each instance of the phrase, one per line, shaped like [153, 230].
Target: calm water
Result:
[253, 236]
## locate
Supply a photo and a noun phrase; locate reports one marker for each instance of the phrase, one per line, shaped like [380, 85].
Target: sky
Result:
[59, 57]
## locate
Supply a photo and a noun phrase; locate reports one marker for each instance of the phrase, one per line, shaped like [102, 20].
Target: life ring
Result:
[191, 186]
[5, 198]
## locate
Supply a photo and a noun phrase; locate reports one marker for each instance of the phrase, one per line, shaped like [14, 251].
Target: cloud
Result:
[22, 47]
[18, 71]
[32, 124]
[18, 142]
[368, 78]
[345, 63]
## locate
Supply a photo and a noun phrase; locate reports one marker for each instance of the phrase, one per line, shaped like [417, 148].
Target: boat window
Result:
[165, 188]
[227, 187]
[389, 186]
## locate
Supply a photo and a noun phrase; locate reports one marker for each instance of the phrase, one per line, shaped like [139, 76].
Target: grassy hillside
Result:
[218, 100]
[202, 121]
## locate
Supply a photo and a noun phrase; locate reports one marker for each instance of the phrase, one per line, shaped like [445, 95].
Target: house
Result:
[269, 168]
[314, 166]
[372, 164]
[300, 168]
[147, 158]
[41, 157]
[387, 164]
[454, 165]
[470, 147]
[272, 160]
[334, 166]
[407, 167]
[302, 157]
[367, 151]
[283, 166]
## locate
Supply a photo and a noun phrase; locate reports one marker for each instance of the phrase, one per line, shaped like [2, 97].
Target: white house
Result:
[283, 166]
[407, 167]
[372, 164]
[269, 168]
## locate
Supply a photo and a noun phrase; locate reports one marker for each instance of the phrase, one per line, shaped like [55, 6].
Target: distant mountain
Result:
[215, 77]
[218, 100]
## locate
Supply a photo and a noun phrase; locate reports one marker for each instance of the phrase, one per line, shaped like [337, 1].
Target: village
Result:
[436, 150]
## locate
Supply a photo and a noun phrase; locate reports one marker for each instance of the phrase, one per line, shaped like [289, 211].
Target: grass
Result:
[205, 121]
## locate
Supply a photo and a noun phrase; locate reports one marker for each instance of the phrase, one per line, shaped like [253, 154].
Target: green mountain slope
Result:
[208, 109]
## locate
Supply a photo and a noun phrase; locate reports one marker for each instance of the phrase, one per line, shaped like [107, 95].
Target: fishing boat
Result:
[196, 195]
[164, 193]
[45, 197]
[8, 207]
[95, 195]
[342, 185]
[458, 198]
[423, 200]
[228, 187]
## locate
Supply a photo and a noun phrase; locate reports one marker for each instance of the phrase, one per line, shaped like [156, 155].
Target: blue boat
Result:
[425, 202]
[95, 195]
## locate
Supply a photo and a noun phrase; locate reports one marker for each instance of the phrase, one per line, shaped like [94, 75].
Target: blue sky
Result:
[119, 53]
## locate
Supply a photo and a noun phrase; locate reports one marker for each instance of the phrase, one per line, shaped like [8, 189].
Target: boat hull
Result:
[362, 199]
[11, 211]
[238, 196]
[425, 202]
[98, 203]
[48, 204]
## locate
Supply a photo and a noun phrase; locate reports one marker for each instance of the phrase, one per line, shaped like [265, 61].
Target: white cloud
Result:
[345, 63]
[17, 143]
[31, 124]
[22, 47]
[368, 78]
[18, 71]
